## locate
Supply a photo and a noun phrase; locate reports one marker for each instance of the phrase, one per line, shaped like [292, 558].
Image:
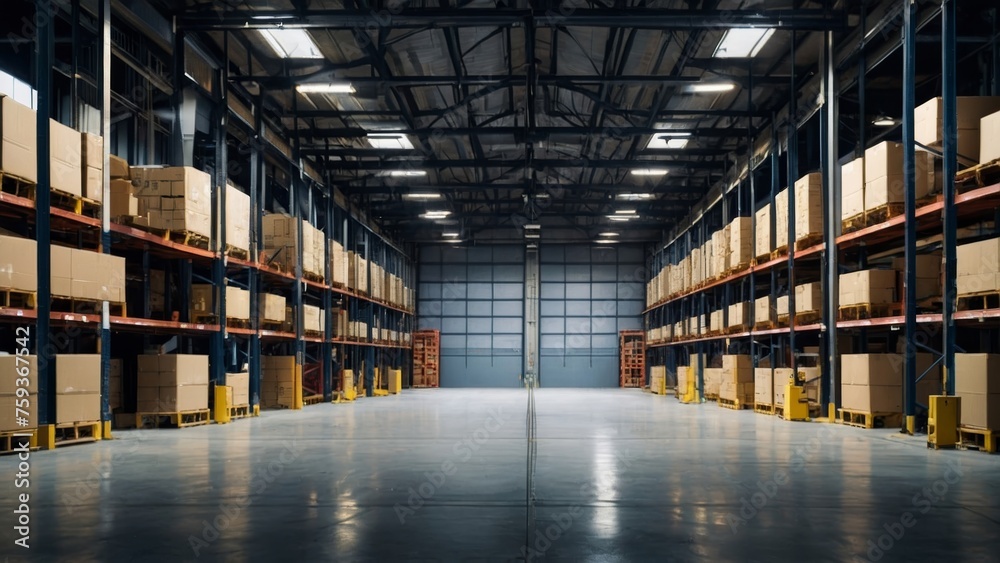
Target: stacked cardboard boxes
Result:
[763, 387]
[78, 388]
[81, 274]
[237, 302]
[781, 379]
[929, 121]
[20, 138]
[237, 218]
[713, 380]
[281, 244]
[313, 318]
[716, 321]
[808, 298]
[9, 368]
[66, 159]
[124, 202]
[763, 310]
[977, 382]
[93, 166]
[658, 379]
[172, 383]
[737, 383]
[929, 271]
[873, 383]
[176, 198]
[763, 243]
[240, 382]
[809, 206]
[978, 265]
[720, 251]
[782, 214]
[271, 308]
[877, 287]
[989, 132]
[278, 381]
[781, 306]
[338, 263]
[852, 185]
[884, 175]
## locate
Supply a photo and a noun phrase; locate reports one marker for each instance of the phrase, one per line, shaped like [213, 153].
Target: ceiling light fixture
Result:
[622, 217]
[451, 235]
[402, 173]
[606, 242]
[325, 88]
[608, 234]
[532, 226]
[709, 87]
[625, 212]
[649, 171]
[291, 43]
[436, 214]
[532, 235]
[742, 42]
[389, 141]
[634, 196]
[422, 196]
[884, 120]
[666, 134]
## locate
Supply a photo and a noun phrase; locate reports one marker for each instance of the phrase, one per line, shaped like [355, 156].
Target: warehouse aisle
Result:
[440, 475]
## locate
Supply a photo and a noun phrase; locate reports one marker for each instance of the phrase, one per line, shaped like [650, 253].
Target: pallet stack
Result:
[977, 382]
[632, 358]
[426, 358]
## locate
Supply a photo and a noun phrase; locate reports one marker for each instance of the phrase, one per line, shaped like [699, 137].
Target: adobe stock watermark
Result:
[545, 538]
[229, 512]
[751, 504]
[462, 451]
[923, 501]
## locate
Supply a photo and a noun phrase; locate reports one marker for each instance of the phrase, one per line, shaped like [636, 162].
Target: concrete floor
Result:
[439, 475]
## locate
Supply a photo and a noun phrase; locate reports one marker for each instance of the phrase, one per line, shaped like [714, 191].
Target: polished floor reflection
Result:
[439, 475]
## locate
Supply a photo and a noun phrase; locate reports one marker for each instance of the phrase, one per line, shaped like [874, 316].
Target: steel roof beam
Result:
[356, 132]
[639, 18]
[519, 163]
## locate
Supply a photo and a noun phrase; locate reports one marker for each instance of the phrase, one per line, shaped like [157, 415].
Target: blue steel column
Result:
[369, 319]
[43, 70]
[949, 95]
[328, 300]
[910, 237]
[256, 227]
[831, 228]
[793, 175]
[104, 81]
[217, 340]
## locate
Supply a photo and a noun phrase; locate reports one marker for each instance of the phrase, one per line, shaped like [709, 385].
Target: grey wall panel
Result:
[553, 308]
[481, 290]
[508, 291]
[430, 291]
[512, 274]
[454, 325]
[453, 308]
[480, 308]
[508, 309]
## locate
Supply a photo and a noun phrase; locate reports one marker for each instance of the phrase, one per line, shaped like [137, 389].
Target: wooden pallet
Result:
[855, 223]
[883, 213]
[734, 405]
[214, 319]
[766, 325]
[711, 397]
[763, 409]
[814, 410]
[869, 420]
[178, 236]
[76, 305]
[16, 185]
[737, 329]
[863, 311]
[978, 176]
[808, 241]
[238, 253]
[240, 411]
[312, 277]
[982, 439]
[761, 259]
[779, 252]
[70, 433]
[276, 326]
[180, 419]
[18, 299]
[784, 320]
[979, 301]
[808, 318]
[10, 444]
[73, 203]
[312, 399]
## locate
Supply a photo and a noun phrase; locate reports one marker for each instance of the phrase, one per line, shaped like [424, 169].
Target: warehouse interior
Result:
[507, 280]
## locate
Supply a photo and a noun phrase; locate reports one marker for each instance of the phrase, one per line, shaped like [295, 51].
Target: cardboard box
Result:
[78, 407]
[871, 369]
[763, 386]
[10, 367]
[119, 168]
[93, 183]
[18, 264]
[978, 264]
[738, 362]
[975, 374]
[183, 398]
[852, 188]
[808, 298]
[271, 308]
[237, 303]
[809, 206]
[18, 156]
[313, 318]
[763, 311]
[872, 399]
[980, 410]
[781, 215]
[781, 305]
[93, 150]
[240, 383]
[237, 218]
[66, 159]
[868, 286]
[929, 121]
[78, 374]
[762, 242]
[989, 132]
[9, 414]
[929, 271]
[739, 315]
[183, 369]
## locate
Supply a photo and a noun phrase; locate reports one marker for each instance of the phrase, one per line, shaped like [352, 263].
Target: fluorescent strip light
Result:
[436, 214]
[622, 217]
[608, 234]
[676, 143]
[649, 171]
[625, 212]
[291, 43]
[389, 141]
[422, 196]
[883, 121]
[532, 235]
[532, 226]
[634, 197]
[402, 173]
[707, 87]
[742, 42]
[450, 235]
[674, 134]
[325, 88]
[606, 242]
